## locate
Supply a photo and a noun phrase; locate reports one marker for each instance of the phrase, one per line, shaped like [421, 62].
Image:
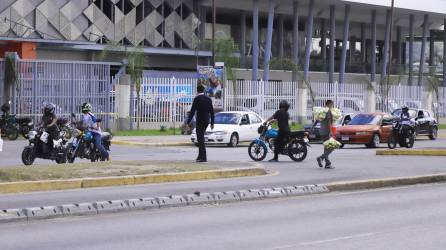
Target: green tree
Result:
[136, 62]
[225, 51]
[11, 77]
[435, 83]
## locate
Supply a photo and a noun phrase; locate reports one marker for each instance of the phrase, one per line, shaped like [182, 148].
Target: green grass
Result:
[442, 126]
[99, 169]
[147, 132]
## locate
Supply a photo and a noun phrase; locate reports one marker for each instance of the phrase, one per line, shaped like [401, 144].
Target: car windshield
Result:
[227, 118]
[365, 119]
[412, 113]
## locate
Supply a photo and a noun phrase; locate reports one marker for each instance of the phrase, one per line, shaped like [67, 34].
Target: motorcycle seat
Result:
[297, 134]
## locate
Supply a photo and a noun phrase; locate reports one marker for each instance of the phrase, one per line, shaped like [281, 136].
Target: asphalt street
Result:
[352, 163]
[399, 218]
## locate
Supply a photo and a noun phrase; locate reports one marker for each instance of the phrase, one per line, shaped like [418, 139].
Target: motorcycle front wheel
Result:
[28, 156]
[256, 151]
[410, 139]
[297, 151]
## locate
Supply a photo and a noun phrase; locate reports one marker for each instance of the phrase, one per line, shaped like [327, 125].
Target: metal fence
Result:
[162, 102]
[260, 97]
[398, 96]
[440, 103]
[350, 98]
[67, 85]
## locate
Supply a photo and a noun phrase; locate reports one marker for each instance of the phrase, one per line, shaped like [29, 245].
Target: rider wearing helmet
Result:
[49, 121]
[282, 117]
[405, 114]
[90, 122]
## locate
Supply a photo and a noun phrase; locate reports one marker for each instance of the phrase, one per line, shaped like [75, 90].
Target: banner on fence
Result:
[213, 78]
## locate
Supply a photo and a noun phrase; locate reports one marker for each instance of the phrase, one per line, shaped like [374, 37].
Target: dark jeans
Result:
[279, 143]
[98, 144]
[201, 129]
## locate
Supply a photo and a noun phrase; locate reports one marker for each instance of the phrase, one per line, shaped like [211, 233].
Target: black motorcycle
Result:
[295, 147]
[40, 147]
[83, 145]
[403, 133]
[9, 127]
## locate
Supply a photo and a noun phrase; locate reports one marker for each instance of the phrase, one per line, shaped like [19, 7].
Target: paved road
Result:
[353, 163]
[404, 218]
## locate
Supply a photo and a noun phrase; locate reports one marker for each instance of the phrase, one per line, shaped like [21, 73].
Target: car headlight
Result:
[221, 133]
[362, 133]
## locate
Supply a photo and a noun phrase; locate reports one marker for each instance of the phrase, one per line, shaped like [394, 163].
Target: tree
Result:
[435, 83]
[136, 61]
[225, 51]
[11, 77]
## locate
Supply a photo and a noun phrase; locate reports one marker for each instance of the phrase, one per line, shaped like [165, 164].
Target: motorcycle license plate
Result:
[345, 138]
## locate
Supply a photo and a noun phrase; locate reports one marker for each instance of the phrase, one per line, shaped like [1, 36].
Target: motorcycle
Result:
[403, 133]
[296, 146]
[83, 145]
[12, 125]
[9, 127]
[39, 148]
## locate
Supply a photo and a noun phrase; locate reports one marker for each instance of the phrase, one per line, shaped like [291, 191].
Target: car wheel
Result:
[434, 133]
[233, 141]
[375, 142]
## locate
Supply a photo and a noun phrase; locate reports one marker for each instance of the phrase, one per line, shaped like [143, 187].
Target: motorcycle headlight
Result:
[32, 135]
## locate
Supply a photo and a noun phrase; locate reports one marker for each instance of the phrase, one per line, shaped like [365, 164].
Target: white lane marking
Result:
[318, 242]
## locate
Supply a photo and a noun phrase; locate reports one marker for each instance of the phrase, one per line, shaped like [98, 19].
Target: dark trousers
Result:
[201, 129]
[279, 143]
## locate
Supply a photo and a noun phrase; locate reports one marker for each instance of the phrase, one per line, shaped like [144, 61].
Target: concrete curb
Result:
[386, 182]
[413, 152]
[113, 206]
[150, 144]
[30, 186]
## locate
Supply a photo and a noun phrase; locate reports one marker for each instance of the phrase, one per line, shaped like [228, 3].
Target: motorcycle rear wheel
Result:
[392, 142]
[11, 132]
[297, 151]
[256, 151]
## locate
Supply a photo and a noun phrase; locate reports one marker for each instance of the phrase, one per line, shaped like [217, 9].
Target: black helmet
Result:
[405, 108]
[5, 107]
[49, 108]
[284, 105]
[86, 107]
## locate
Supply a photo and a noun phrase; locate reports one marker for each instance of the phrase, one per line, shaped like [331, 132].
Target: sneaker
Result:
[202, 161]
[319, 162]
[273, 160]
[329, 166]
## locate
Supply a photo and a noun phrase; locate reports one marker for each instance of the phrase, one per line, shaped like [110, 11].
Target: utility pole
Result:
[214, 13]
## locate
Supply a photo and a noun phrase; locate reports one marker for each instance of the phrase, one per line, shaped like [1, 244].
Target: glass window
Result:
[227, 118]
[254, 119]
[246, 118]
[365, 119]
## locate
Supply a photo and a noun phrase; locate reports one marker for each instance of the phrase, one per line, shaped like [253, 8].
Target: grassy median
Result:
[102, 169]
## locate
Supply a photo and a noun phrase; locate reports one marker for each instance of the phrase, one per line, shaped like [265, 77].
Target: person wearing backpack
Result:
[90, 122]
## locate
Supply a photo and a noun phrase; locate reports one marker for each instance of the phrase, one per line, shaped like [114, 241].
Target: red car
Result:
[369, 129]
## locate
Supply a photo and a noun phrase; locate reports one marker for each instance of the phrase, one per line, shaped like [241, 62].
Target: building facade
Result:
[336, 37]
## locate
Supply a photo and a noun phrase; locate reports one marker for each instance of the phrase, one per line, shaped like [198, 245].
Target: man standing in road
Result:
[202, 106]
[325, 132]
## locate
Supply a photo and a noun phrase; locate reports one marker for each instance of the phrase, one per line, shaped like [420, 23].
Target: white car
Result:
[231, 128]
